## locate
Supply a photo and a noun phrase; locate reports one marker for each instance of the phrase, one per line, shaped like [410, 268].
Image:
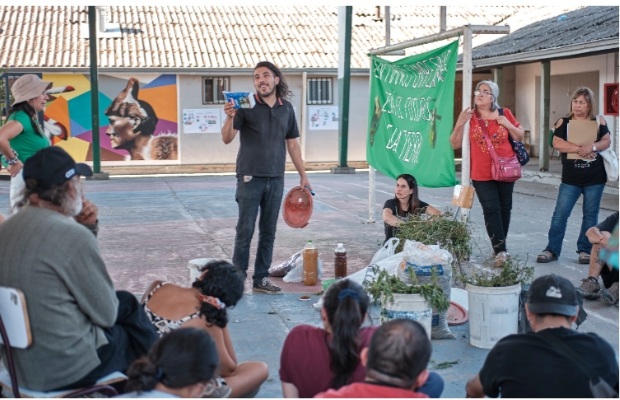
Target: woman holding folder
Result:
[578, 137]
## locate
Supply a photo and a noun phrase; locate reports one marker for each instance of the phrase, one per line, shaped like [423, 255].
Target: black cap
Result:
[552, 294]
[53, 166]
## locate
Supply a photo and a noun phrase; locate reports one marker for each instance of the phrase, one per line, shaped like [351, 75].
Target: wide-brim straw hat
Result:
[28, 87]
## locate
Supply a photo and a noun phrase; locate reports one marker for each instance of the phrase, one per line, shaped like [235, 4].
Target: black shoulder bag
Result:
[598, 386]
[517, 147]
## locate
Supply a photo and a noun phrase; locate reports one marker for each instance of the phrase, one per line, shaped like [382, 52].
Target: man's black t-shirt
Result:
[525, 365]
[263, 132]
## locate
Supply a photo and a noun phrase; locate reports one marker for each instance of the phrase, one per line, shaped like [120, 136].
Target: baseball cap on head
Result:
[53, 166]
[28, 87]
[552, 294]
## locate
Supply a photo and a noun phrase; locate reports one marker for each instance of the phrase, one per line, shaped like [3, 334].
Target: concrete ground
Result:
[152, 226]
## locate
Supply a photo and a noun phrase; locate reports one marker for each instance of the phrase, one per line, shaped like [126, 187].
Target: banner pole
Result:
[467, 89]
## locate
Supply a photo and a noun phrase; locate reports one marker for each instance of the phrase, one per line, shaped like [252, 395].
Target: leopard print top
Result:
[164, 325]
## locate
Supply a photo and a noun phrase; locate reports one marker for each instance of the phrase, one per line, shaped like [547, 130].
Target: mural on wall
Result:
[137, 117]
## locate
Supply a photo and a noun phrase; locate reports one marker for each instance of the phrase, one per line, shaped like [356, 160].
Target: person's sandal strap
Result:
[546, 256]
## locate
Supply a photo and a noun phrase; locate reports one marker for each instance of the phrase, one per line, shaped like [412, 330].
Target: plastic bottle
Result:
[311, 267]
[340, 261]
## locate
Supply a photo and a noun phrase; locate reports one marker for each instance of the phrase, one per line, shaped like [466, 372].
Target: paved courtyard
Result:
[152, 226]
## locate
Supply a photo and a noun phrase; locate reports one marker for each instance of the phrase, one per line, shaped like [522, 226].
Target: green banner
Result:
[411, 115]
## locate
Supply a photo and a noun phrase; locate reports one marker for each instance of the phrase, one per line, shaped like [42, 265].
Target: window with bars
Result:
[320, 91]
[212, 87]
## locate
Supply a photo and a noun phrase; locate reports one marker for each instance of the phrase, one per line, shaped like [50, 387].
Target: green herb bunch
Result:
[512, 273]
[386, 285]
[444, 230]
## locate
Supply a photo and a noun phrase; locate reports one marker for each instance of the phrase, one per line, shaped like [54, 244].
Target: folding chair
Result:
[15, 333]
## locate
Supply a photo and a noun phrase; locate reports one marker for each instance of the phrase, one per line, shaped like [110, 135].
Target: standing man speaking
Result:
[268, 130]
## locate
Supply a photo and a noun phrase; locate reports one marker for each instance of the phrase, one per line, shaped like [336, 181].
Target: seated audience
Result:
[395, 363]
[180, 364]
[404, 204]
[536, 364]
[315, 359]
[81, 328]
[590, 288]
[204, 306]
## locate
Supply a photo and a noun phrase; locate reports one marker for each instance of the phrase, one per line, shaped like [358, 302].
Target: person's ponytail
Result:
[345, 304]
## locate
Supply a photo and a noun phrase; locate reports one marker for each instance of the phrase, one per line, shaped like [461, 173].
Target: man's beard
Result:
[72, 205]
[263, 96]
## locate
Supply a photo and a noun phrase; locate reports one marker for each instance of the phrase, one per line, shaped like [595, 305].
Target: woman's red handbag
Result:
[503, 169]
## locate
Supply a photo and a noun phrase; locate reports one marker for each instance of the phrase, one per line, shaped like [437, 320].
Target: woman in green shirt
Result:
[22, 135]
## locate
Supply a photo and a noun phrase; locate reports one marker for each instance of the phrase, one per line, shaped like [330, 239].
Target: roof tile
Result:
[235, 36]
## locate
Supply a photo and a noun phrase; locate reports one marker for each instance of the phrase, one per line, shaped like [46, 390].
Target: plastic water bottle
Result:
[340, 261]
[311, 261]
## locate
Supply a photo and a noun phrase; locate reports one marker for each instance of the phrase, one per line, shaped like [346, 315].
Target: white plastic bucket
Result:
[194, 267]
[493, 313]
[409, 306]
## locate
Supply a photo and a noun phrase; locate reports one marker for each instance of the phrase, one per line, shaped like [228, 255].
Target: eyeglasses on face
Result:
[581, 103]
[483, 93]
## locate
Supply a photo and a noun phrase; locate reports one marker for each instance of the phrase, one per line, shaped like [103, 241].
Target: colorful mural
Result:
[138, 116]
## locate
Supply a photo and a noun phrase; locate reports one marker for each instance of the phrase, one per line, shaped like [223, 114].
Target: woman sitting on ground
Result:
[204, 305]
[404, 204]
[314, 359]
[180, 364]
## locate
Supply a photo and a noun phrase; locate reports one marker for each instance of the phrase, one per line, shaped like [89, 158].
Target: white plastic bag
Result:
[386, 250]
[610, 160]
[390, 264]
[296, 273]
[422, 254]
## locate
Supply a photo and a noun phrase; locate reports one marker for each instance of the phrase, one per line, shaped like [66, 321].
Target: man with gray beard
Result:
[82, 329]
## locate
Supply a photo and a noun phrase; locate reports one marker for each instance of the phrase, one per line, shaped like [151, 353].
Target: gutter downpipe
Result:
[94, 95]
[94, 86]
[304, 110]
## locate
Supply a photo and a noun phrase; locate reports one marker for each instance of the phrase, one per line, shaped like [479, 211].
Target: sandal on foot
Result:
[584, 258]
[217, 388]
[546, 256]
[500, 259]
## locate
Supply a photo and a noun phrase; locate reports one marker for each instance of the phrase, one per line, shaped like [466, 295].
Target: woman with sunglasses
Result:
[582, 176]
[495, 197]
[22, 135]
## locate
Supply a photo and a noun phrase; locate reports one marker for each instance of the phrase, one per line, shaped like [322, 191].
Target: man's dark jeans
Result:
[131, 337]
[264, 195]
